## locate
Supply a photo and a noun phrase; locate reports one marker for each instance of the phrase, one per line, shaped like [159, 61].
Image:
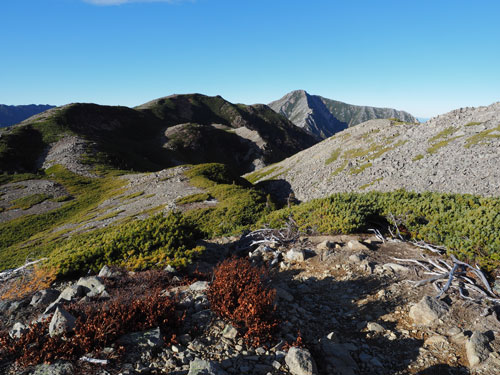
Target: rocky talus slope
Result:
[455, 153]
[324, 117]
[357, 311]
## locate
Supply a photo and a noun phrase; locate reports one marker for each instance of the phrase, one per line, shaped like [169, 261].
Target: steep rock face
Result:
[324, 117]
[456, 153]
[12, 114]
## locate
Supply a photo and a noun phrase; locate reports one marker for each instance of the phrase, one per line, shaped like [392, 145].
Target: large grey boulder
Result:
[44, 297]
[61, 322]
[202, 367]
[230, 332]
[69, 294]
[108, 272]
[93, 285]
[477, 348]
[300, 362]
[428, 311]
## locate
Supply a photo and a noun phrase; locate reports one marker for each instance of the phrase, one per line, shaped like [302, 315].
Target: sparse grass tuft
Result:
[360, 168]
[482, 137]
[260, 174]
[334, 156]
[418, 157]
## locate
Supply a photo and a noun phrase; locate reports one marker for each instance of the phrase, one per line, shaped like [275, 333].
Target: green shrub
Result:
[467, 225]
[239, 204]
[141, 244]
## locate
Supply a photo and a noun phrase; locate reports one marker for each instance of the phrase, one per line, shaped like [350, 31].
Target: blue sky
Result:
[426, 57]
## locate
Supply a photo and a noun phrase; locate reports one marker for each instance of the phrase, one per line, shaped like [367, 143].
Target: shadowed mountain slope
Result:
[166, 132]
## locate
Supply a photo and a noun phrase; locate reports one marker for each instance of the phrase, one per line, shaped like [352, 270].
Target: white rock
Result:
[374, 327]
[18, 330]
[395, 267]
[300, 362]
[199, 286]
[295, 255]
[93, 284]
[325, 245]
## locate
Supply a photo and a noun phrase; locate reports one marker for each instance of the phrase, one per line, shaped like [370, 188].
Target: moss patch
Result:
[418, 157]
[29, 201]
[132, 196]
[438, 145]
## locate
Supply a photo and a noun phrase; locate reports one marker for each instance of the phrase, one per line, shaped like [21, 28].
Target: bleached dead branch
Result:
[12, 273]
[457, 278]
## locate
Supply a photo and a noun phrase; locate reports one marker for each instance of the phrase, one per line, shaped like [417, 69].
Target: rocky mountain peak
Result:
[324, 117]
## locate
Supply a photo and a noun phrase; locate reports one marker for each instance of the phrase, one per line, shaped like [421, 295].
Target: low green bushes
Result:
[141, 244]
[239, 204]
[467, 225]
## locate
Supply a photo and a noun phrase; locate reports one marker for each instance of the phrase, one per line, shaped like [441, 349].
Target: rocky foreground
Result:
[344, 300]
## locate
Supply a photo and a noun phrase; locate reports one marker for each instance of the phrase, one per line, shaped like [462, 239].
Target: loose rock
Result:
[428, 310]
[300, 362]
[477, 348]
[61, 322]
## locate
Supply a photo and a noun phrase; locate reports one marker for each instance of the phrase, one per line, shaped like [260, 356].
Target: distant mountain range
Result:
[324, 117]
[12, 114]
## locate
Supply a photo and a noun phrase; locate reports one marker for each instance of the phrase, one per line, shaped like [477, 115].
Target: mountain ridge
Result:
[207, 129]
[13, 114]
[325, 117]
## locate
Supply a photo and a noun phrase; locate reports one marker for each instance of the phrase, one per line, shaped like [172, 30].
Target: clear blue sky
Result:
[423, 56]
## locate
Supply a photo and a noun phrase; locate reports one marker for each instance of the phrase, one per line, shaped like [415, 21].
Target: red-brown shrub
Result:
[239, 294]
[99, 324]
